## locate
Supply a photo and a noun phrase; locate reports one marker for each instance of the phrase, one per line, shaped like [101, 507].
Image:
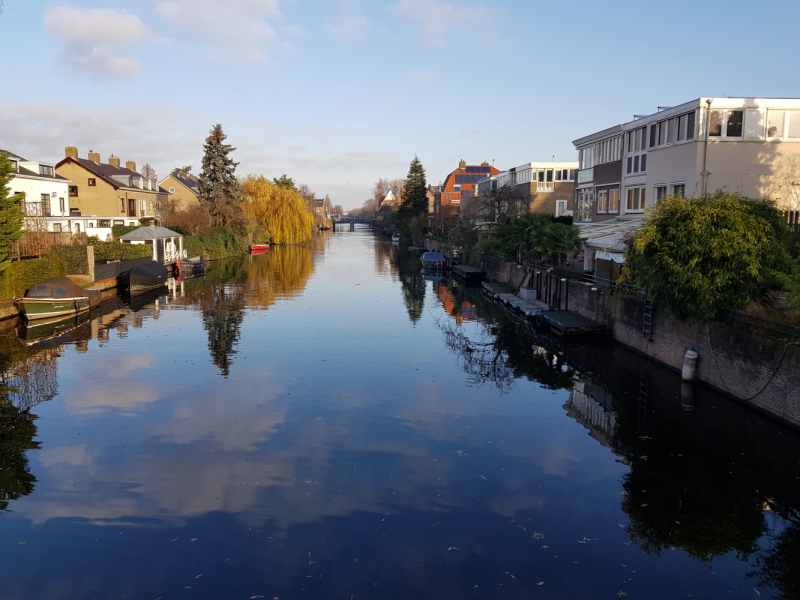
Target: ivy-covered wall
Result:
[75, 258]
[120, 251]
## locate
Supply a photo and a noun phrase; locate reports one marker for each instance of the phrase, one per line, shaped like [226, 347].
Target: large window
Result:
[715, 123]
[678, 189]
[735, 122]
[122, 204]
[662, 133]
[583, 207]
[636, 199]
[613, 201]
[775, 123]
[602, 199]
[690, 121]
[104, 223]
[794, 125]
[61, 206]
[682, 127]
[45, 205]
[46, 171]
[653, 134]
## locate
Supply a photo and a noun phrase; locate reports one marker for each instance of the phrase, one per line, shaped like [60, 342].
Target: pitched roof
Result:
[27, 172]
[150, 233]
[192, 184]
[106, 173]
[12, 155]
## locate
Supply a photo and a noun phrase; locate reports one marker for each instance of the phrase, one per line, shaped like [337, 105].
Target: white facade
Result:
[46, 194]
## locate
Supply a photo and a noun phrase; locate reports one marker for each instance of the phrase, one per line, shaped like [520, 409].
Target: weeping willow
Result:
[282, 212]
[282, 273]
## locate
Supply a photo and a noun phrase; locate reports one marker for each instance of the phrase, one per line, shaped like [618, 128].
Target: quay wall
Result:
[739, 360]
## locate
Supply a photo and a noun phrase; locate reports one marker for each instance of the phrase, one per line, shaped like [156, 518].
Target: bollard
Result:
[689, 364]
[687, 396]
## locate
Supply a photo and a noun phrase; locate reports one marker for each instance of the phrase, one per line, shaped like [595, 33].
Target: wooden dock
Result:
[526, 307]
[469, 274]
[566, 323]
[493, 288]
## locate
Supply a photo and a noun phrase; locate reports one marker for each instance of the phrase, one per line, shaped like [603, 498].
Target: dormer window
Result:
[92, 181]
[46, 171]
[14, 166]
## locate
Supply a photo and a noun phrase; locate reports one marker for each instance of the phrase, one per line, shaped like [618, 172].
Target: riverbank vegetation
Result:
[279, 210]
[698, 257]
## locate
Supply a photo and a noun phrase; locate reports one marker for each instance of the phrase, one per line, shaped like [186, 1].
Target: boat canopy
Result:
[57, 287]
[432, 257]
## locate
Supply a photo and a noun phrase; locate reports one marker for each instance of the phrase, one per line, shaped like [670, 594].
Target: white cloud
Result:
[93, 37]
[233, 29]
[164, 135]
[437, 17]
[347, 28]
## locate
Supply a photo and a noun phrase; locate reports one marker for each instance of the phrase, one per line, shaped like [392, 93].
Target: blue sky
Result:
[337, 93]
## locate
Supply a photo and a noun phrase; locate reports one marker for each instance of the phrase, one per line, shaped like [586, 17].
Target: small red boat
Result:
[258, 248]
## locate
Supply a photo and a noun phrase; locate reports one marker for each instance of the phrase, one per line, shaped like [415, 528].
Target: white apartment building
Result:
[46, 193]
[750, 146]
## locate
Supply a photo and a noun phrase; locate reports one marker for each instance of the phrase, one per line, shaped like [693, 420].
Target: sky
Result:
[337, 93]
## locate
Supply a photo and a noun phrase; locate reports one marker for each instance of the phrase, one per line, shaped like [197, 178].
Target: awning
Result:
[610, 235]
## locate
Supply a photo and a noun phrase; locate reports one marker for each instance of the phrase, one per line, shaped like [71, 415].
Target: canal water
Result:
[326, 422]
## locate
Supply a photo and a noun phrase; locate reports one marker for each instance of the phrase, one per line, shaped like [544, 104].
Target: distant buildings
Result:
[546, 187]
[463, 179]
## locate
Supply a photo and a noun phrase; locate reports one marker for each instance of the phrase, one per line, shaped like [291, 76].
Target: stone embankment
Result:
[746, 361]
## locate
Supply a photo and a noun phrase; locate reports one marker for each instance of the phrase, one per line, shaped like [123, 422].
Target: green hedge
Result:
[74, 256]
[119, 230]
[21, 275]
[219, 243]
[120, 251]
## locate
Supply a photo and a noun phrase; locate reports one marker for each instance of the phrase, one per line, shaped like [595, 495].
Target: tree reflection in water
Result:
[409, 269]
[256, 282]
[17, 430]
[501, 352]
[283, 272]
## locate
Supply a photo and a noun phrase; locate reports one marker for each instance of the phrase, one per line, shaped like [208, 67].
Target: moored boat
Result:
[258, 248]
[141, 278]
[57, 297]
[193, 264]
[433, 260]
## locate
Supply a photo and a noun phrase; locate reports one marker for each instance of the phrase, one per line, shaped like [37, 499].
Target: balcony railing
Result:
[170, 255]
[545, 186]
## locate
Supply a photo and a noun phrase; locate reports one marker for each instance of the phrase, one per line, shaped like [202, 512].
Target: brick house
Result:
[183, 193]
[107, 192]
[463, 179]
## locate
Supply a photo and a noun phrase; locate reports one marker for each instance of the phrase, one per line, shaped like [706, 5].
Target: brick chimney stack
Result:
[94, 157]
[130, 165]
[113, 161]
[71, 152]
[462, 164]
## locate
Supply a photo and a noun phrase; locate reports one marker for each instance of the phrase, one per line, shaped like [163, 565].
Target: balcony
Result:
[586, 175]
[545, 186]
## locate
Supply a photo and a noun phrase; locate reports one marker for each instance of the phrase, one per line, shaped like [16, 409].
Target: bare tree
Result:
[397, 186]
[148, 172]
[495, 206]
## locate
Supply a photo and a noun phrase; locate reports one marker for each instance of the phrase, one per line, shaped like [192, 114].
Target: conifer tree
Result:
[285, 182]
[10, 216]
[415, 199]
[219, 189]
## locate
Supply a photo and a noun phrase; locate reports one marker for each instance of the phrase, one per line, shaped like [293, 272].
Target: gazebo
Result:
[163, 241]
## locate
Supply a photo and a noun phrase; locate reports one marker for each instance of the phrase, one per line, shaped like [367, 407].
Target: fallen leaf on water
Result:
[199, 576]
[540, 583]
[452, 548]
[22, 542]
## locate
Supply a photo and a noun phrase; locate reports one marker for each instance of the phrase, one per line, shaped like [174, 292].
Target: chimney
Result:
[71, 152]
[462, 164]
[113, 161]
[94, 157]
[130, 165]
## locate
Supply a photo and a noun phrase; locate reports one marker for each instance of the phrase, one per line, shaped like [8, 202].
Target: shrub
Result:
[120, 251]
[21, 275]
[219, 243]
[192, 221]
[119, 230]
[700, 256]
[75, 258]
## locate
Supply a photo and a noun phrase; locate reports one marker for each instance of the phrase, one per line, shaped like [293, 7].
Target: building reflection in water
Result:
[712, 481]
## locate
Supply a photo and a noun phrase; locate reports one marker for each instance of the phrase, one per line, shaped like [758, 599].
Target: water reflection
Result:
[17, 430]
[409, 270]
[370, 466]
